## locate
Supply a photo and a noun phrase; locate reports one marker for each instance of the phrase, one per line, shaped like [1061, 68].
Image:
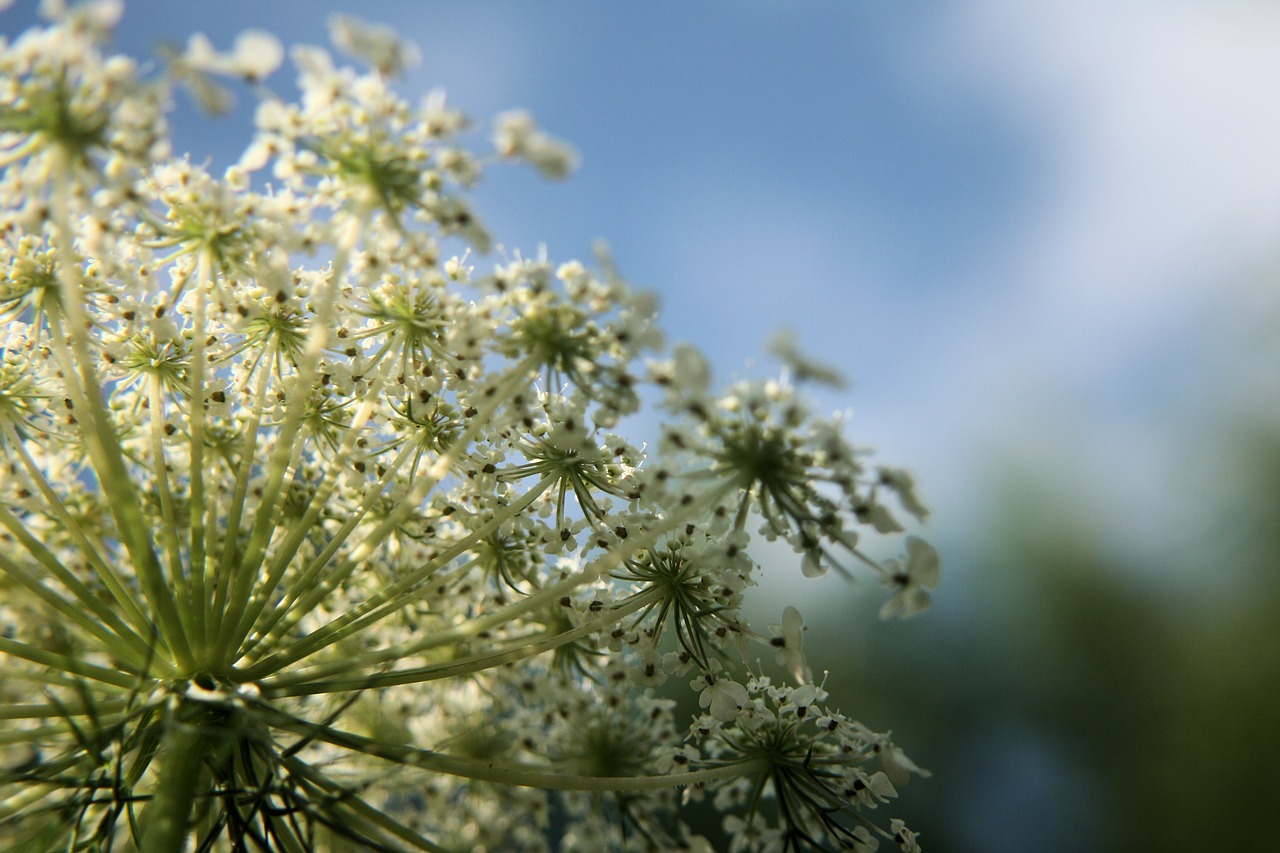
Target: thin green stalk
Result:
[284, 454]
[522, 775]
[313, 681]
[169, 527]
[124, 598]
[309, 578]
[470, 628]
[359, 813]
[235, 510]
[115, 637]
[245, 572]
[66, 577]
[44, 710]
[408, 505]
[395, 596]
[21, 802]
[199, 603]
[84, 389]
[67, 664]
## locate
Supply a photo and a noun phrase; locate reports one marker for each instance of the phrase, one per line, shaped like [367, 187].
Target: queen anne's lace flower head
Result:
[319, 530]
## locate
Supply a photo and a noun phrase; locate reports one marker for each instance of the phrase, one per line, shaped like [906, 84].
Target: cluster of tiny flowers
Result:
[817, 766]
[314, 535]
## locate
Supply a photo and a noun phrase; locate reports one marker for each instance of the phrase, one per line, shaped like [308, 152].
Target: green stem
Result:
[160, 466]
[439, 470]
[91, 550]
[524, 776]
[227, 566]
[306, 681]
[310, 578]
[547, 595]
[356, 813]
[67, 664]
[71, 348]
[199, 604]
[164, 821]
[284, 456]
[399, 594]
[114, 636]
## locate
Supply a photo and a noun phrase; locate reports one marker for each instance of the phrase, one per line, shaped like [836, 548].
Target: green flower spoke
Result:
[200, 603]
[317, 680]
[114, 635]
[84, 387]
[507, 774]
[353, 810]
[65, 664]
[92, 552]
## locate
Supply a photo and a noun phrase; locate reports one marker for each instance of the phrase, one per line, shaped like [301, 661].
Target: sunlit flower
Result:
[318, 531]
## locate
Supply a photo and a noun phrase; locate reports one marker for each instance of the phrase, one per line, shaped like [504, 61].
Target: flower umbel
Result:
[312, 538]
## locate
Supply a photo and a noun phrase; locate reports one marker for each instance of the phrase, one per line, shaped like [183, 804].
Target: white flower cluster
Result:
[312, 537]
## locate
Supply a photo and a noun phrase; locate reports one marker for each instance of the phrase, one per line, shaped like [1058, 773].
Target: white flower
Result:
[803, 368]
[722, 698]
[97, 17]
[376, 44]
[800, 701]
[911, 581]
[905, 838]
[254, 55]
[877, 515]
[789, 640]
[517, 137]
[901, 483]
[650, 672]
[895, 763]
[751, 834]
[290, 483]
[864, 841]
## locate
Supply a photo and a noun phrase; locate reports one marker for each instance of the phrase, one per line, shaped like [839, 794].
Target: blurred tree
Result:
[1089, 701]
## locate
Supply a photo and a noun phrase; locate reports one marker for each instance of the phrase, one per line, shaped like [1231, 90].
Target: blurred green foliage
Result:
[1071, 698]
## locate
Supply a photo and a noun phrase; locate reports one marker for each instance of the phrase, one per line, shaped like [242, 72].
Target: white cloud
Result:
[1161, 127]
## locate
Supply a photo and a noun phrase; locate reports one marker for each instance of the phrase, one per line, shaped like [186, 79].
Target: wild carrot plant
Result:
[315, 529]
